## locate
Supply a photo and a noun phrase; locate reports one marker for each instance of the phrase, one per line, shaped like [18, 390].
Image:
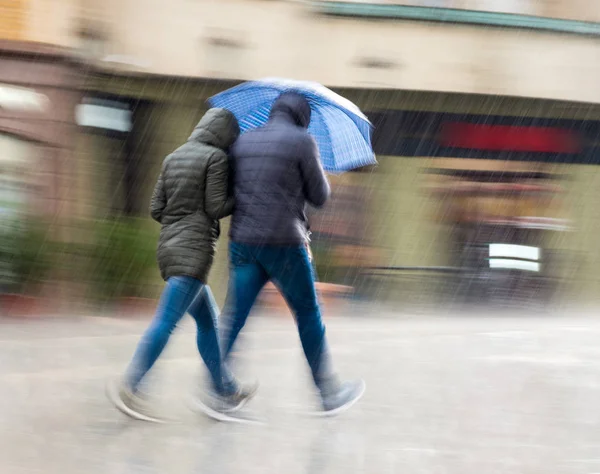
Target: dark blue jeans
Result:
[290, 269]
[182, 294]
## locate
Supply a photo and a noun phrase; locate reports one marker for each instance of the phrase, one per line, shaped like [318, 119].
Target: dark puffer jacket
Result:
[191, 195]
[277, 172]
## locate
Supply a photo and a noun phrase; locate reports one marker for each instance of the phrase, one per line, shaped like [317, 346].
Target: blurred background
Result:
[486, 119]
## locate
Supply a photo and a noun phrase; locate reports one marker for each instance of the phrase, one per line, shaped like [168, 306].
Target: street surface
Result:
[452, 393]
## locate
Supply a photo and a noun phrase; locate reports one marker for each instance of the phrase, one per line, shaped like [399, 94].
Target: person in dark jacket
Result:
[277, 172]
[190, 197]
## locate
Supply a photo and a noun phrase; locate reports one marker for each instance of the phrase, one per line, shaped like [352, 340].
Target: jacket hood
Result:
[294, 107]
[218, 128]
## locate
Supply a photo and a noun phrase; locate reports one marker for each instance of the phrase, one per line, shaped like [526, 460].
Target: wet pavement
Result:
[446, 394]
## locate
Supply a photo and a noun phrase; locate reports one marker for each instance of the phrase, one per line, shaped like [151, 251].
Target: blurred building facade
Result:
[343, 44]
[127, 80]
[39, 89]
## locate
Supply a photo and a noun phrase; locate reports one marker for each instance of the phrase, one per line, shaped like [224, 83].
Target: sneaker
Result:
[340, 398]
[130, 403]
[221, 407]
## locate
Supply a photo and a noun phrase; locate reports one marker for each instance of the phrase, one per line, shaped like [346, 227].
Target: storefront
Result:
[494, 206]
[39, 89]
[38, 93]
[384, 215]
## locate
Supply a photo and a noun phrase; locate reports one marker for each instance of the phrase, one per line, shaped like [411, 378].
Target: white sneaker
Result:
[222, 407]
[129, 403]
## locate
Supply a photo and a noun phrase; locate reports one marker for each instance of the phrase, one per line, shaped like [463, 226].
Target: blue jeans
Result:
[290, 269]
[182, 294]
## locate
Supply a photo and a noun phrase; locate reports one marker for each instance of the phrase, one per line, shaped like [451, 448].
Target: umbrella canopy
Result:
[341, 130]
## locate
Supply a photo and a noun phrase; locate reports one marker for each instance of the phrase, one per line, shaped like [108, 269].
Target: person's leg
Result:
[246, 279]
[205, 312]
[292, 272]
[176, 298]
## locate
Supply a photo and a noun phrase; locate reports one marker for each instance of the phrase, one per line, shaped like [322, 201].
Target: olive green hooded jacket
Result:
[191, 195]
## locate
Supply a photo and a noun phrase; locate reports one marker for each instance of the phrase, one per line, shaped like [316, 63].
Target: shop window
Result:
[15, 159]
[111, 121]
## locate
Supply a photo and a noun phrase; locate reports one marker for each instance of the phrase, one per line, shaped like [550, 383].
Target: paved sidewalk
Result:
[452, 394]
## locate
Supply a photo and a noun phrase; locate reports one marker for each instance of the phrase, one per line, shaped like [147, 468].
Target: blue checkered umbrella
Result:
[341, 130]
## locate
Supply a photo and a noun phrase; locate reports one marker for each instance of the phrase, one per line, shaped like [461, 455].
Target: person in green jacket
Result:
[191, 195]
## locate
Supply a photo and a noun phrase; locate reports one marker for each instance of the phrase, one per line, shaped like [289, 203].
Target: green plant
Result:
[25, 255]
[7, 253]
[122, 258]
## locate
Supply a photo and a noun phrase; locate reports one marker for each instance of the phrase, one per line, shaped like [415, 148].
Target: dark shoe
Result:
[130, 403]
[339, 398]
